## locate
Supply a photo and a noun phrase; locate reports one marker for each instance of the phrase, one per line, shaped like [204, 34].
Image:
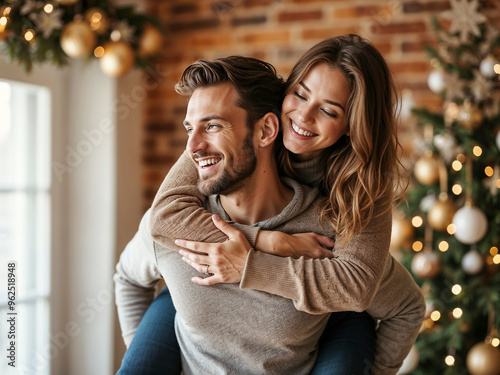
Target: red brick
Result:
[266, 37]
[409, 67]
[251, 20]
[363, 11]
[417, 46]
[300, 16]
[323, 33]
[418, 6]
[398, 28]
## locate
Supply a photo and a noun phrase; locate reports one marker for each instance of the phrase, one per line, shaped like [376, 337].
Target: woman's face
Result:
[314, 112]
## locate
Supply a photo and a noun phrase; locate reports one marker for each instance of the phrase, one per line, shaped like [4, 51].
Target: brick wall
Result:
[278, 31]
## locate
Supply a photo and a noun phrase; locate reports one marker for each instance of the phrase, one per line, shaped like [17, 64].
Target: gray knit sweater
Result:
[361, 276]
[222, 329]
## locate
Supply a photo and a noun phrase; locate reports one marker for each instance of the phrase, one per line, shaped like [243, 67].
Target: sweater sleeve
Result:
[400, 306]
[135, 280]
[348, 282]
[178, 212]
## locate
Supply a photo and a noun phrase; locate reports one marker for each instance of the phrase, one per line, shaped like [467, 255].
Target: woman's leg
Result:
[154, 349]
[347, 344]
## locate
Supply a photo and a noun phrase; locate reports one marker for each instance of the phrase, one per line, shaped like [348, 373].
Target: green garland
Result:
[22, 16]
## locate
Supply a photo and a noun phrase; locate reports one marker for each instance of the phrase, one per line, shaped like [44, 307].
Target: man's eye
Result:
[213, 126]
[189, 130]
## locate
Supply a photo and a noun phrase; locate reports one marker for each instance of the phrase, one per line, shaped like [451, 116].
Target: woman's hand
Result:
[224, 262]
[308, 245]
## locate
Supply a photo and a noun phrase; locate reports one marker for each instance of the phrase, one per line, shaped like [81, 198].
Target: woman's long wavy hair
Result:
[362, 170]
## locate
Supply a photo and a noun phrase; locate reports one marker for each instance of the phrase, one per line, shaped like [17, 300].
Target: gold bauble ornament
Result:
[97, 19]
[150, 42]
[441, 214]
[402, 233]
[469, 116]
[426, 264]
[426, 169]
[118, 58]
[66, 2]
[77, 39]
[483, 359]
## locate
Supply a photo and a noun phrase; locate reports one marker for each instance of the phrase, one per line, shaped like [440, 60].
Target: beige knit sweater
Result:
[361, 276]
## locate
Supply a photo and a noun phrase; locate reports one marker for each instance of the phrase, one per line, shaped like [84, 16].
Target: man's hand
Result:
[223, 262]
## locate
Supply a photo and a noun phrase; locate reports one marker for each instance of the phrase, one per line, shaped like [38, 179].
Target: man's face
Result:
[219, 141]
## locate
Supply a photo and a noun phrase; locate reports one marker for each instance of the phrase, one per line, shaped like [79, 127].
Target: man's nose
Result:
[196, 142]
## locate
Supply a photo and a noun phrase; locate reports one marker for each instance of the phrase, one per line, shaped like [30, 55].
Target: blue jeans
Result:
[345, 348]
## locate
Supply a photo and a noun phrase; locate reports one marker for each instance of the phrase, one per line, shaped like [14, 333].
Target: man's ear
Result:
[269, 126]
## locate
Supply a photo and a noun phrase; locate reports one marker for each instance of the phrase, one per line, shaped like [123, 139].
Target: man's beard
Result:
[228, 183]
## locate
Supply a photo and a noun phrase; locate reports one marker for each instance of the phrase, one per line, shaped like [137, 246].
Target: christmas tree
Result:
[450, 225]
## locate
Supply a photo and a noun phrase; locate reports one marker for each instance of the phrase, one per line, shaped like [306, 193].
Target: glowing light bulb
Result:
[488, 171]
[449, 360]
[417, 246]
[456, 189]
[457, 312]
[48, 8]
[461, 158]
[495, 342]
[496, 68]
[29, 35]
[99, 51]
[456, 289]
[494, 250]
[450, 229]
[443, 246]
[435, 315]
[496, 259]
[477, 151]
[456, 165]
[417, 221]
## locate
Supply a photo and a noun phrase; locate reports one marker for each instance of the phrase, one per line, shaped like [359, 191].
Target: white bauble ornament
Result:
[411, 362]
[472, 262]
[428, 201]
[436, 81]
[470, 224]
[487, 66]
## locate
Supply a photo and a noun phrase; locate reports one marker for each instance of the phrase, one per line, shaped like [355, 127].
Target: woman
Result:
[340, 133]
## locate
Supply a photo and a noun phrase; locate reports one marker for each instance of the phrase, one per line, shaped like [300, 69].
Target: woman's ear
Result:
[269, 128]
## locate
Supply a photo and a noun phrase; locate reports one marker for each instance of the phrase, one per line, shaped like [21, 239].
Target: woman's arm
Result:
[178, 213]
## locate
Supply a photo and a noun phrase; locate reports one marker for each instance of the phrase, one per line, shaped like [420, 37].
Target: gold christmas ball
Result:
[97, 19]
[483, 359]
[426, 264]
[118, 58]
[66, 2]
[77, 39]
[150, 42]
[469, 116]
[441, 214]
[402, 233]
[426, 169]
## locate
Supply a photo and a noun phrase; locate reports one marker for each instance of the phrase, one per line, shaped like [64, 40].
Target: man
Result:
[223, 329]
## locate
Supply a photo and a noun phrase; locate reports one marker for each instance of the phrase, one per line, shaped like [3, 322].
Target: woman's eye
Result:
[298, 95]
[189, 130]
[330, 114]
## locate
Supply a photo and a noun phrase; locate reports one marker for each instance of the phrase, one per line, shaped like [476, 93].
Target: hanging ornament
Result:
[447, 146]
[487, 66]
[118, 58]
[451, 110]
[150, 42]
[470, 224]
[483, 359]
[472, 262]
[410, 363]
[97, 19]
[402, 232]
[470, 116]
[465, 19]
[426, 264]
[441, 213]
[77, 39]
[426, 168]
[428, 201]
[437, 81]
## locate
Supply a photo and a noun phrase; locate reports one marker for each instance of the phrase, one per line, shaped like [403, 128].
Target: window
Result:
[25, 220]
